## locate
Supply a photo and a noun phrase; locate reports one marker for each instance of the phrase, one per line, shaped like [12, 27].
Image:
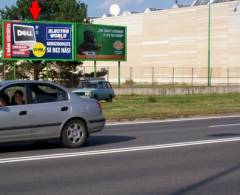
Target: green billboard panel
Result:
[100, 42]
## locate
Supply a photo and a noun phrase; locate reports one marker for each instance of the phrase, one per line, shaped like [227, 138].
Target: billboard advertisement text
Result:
[38, 41]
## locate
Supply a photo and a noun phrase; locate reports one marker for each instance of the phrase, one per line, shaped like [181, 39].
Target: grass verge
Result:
[163, 107]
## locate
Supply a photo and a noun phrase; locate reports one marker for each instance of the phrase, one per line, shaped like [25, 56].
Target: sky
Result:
[97, 8]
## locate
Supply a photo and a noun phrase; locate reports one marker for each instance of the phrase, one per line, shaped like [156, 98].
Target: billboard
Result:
[100, 42]
[38, 41]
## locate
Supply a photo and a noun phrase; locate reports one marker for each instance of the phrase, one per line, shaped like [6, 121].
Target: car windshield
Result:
[87, 85]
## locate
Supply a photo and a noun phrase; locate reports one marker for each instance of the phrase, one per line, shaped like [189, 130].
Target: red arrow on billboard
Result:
[35, 9]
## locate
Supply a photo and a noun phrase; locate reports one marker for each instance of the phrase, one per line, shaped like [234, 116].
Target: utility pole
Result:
[209, 44]
[95, 69]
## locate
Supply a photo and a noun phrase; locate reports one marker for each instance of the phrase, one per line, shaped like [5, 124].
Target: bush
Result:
[152, 99]
[129, 82]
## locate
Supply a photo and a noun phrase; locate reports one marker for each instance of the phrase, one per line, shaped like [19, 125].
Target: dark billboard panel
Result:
[38, 41]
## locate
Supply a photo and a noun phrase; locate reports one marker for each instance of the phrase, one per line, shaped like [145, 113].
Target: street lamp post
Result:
[209, 44]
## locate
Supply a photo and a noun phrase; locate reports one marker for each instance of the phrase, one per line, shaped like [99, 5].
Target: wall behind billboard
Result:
[38, 41]
[100, 42]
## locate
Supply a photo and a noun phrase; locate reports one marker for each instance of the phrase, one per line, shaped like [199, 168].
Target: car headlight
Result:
[88, 94]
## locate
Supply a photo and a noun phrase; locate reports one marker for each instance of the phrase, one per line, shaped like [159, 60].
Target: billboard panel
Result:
[100, 42]
[38, 41]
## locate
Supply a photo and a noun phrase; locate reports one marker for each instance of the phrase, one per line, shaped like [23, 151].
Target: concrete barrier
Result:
[177, 90]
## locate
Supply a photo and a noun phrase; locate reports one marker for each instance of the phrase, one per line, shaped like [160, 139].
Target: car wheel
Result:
[74, 134]
[110, 99]
[95, 97]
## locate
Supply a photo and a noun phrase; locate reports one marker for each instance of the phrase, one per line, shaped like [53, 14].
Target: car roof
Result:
[9, 82]
[23, 81]
[93, 81]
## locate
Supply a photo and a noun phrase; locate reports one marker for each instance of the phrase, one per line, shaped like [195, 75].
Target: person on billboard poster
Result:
[89, 47]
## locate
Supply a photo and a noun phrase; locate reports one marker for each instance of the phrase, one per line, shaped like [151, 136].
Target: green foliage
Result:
[52, 10]
[101, 73]
[129, 82]
[152, 99]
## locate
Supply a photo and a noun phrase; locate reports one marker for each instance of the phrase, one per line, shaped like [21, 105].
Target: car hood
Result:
[84, 90]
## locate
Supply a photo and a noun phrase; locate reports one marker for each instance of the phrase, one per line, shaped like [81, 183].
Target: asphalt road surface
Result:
[173, 157]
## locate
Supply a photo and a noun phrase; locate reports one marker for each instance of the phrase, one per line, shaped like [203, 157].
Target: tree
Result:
[54, 10]
[101, 73]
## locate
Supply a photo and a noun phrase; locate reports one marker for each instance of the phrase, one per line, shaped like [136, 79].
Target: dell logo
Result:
[24, 33]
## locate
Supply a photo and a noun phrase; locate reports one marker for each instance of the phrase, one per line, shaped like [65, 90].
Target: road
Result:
[173, 157]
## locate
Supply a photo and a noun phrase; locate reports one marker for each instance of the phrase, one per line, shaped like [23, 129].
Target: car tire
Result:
[95, 97]
[74, 134]
[110, 99]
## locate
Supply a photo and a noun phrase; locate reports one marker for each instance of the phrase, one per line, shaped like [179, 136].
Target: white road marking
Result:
[114, 151]
[169, 120]
[225, 125]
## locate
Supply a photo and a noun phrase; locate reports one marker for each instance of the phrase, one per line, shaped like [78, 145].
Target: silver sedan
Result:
[39, 110]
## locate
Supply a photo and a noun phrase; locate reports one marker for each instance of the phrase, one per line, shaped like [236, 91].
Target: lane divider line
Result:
[114, 151]
[225, 125]
[169, 120]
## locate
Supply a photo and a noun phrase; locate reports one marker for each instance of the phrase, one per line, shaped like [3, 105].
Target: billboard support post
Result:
[95, 69]
[119, 74]
[14, 70]
[84, 72]
[47, 70]
[4, 71]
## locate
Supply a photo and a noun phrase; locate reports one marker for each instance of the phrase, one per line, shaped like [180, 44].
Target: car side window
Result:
[16, 94]
[100, 85]
[105, 86]
[43, 93]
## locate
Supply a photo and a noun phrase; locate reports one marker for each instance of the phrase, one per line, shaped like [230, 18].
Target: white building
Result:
[174, 43]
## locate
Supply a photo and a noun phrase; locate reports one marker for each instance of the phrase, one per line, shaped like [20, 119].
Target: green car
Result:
[97, 89]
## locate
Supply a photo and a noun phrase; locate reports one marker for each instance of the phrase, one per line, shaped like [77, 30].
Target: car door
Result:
[107, 91]
[49, 107]
[100, 91]
[111, 92]
[15, 123]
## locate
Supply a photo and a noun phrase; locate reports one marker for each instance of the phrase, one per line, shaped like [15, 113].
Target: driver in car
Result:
[4, 100]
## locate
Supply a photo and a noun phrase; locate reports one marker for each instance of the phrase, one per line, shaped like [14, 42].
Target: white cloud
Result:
[122, 3]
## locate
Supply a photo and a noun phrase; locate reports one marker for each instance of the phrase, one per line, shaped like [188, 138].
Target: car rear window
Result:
[88, 85]
[42, 93]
